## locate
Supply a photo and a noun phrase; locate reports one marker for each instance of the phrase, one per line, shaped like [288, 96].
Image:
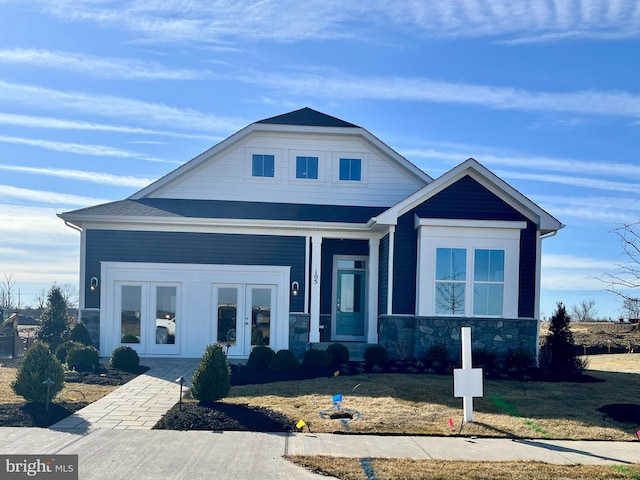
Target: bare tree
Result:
[7, 292]
[40, 298]
[625, 278]
[69, 294]
[631, 308]
[585, 311]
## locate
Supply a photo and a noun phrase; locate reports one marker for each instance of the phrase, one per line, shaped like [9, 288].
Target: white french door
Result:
[243, 316]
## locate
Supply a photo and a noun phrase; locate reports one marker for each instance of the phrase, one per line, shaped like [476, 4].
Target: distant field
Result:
[615, 362]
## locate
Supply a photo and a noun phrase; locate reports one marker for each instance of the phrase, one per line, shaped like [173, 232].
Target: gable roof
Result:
[471, 167]
[304, 120]
[309, 117]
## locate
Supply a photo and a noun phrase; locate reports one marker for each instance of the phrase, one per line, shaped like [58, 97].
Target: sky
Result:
[98, 98]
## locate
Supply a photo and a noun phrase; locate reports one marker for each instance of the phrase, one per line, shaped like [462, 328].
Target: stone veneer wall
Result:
[91, 320]
[298, 334]
[409, 336]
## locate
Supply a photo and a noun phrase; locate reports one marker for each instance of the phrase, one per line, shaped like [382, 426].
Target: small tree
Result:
[54, 319]
[559, 357]
[211, 380]
[79, 333]
[38, 365]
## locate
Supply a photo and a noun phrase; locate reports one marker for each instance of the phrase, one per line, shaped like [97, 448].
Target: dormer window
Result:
[351, 169]
[263, 165]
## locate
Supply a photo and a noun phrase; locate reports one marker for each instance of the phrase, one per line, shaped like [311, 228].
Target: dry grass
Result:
[423, 404]
[352, 469]
[616, 362]
[74, 392]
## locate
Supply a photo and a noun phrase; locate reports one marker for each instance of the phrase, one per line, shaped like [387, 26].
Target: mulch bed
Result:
[36, 414]
[223, 417]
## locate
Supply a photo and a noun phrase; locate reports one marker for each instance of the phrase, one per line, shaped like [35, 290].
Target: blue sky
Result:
[98, 98]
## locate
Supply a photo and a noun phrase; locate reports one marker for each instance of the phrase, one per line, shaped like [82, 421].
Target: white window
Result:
[468, 269]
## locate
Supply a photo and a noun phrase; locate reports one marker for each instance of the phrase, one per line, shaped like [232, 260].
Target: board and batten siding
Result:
[193, 248]
[466, 199]
[227, 175]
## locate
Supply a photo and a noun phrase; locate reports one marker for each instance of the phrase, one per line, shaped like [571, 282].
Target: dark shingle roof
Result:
[222, 209]
[309, 117]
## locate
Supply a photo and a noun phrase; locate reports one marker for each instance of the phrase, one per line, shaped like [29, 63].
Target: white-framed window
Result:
[263, 165]
[350, 169]
[468, 268]
[307, 167]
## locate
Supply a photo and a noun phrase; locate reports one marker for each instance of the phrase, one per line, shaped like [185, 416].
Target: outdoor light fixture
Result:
[94, 284]
[295, 288]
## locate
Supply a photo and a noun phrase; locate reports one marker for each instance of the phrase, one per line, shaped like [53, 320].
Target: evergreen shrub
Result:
[38, 365]
[125, 358]
[211, 380]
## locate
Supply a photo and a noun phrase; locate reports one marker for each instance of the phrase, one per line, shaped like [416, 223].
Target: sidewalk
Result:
[159, 454]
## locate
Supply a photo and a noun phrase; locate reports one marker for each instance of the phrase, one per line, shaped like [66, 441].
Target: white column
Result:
[316, 257]
[392, 241]
[374, 271]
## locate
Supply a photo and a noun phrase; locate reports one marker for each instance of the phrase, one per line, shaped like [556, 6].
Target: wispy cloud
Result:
[30, 121]
[98, 66]
[336, 86]
[115, 107]
[569, 272]
[82, 149]
[222, 22]
[40, 196]
[83, 175]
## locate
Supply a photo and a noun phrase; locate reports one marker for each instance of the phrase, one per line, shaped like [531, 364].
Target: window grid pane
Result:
[350, 169]
[307, 167]
[488, 289]
[263, 165]
[451, 273]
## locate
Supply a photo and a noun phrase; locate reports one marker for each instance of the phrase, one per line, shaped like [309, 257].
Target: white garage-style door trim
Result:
[175, 309]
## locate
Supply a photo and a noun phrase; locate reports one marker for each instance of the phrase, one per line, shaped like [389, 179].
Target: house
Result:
[304, 228]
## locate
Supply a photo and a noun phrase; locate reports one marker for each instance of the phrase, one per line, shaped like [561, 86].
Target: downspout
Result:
[81, 299]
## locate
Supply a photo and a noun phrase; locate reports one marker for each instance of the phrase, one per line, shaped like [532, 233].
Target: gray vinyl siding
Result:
[466, 199]
[193, 248]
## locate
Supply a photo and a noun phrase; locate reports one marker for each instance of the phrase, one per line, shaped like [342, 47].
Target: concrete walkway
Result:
[138, 404]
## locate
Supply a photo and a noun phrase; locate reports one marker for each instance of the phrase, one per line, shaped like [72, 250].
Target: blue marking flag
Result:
[337, 398]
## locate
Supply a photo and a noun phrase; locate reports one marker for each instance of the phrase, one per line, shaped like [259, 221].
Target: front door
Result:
[350, 278]
[243, 316]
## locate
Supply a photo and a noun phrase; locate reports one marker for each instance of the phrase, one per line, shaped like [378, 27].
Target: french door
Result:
[243, 316]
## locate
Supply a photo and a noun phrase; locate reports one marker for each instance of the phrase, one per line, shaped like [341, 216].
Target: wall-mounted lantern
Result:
[93, 285]
[295, 288]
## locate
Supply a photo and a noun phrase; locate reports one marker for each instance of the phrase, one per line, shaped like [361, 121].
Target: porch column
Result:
[374, 270]
[316, 257]
[392, 244]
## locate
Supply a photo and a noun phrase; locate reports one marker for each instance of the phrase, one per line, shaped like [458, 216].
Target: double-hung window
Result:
[307, 167]
[451, 278]
[262, 165]
[488, 282]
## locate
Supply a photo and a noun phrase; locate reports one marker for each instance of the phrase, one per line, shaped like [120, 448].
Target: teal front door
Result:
[350, 304]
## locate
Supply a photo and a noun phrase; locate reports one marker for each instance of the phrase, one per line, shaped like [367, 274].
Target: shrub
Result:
[54, 319]
[63, 349]
[485, 359]
[129, 338]
[80, 334]
[125, 358]
[83, 358]
[437, 358]
[376, 355]
[211, 380]
[260, 357]
[560, 353]
[284, 361]
[518, 364]
[38, 365]
[316, 359]
[339, 354]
